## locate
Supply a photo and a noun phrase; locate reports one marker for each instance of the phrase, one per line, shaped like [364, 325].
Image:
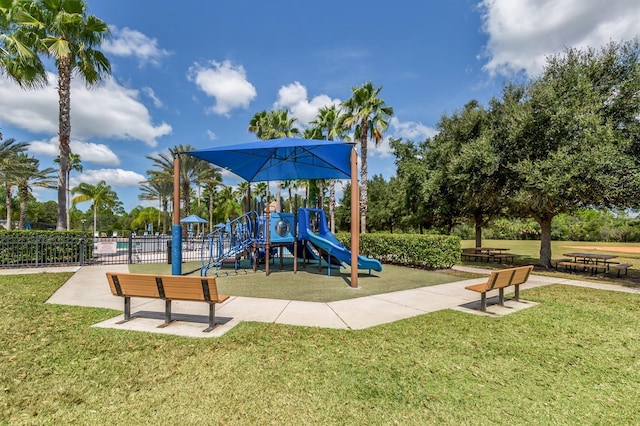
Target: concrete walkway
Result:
[88, 287]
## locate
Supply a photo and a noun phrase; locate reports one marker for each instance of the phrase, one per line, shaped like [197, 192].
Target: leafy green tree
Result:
[572, 138]
[60, 30]
[368, 116]
[101, 194]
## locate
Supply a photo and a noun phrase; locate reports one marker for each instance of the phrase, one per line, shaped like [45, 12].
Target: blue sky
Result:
[196, 72]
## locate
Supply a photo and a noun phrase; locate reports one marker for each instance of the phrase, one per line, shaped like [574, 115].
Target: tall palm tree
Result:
[31, 176]
[18, 60]
[190, 168]
[368, 116]
[75, 164]
[10, 170]
[159, 189]
[60, 30]
[330, 125]
[245, 193]
[272, 125]
[100, 194]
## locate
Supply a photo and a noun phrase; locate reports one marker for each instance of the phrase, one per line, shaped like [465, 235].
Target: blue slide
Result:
[326, 241]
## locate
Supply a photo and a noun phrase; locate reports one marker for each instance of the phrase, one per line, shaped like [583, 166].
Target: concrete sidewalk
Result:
[88, 287]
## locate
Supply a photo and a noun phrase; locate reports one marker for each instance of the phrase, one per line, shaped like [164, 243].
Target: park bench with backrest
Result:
[167, 288]
[499, 280]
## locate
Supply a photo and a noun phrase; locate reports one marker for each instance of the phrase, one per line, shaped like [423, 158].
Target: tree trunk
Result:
[278, 191]
[7, 199]
[478, 222]
[95, 219]
[23, 193]
[64, 132]
[545, 239]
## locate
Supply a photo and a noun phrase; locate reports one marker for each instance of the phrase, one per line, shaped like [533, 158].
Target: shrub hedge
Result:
[19, 247]
[426, 251]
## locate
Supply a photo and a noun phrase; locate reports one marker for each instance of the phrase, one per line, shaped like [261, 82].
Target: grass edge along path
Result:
[573, 359]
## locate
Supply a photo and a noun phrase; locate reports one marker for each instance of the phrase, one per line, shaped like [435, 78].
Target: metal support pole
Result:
[176, 229]
[355, 218]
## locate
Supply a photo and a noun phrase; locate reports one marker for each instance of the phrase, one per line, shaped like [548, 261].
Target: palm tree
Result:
[10, 170]
[272, 125]
[73, 164]
[367, 115]
[101, 194]
[31, 176]
[245, 193]
[60, 30]
[18, 60]
[330, 125]
[190, 168]
[161, 189]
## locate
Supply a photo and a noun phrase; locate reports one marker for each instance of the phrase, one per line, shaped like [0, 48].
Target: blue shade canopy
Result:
[193, 219]
[282, 159]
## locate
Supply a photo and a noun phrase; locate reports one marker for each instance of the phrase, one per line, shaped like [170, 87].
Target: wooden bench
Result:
[499, 280]
[167, 288]
[621, 267]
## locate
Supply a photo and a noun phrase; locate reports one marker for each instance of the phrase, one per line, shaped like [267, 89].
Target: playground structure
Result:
[259, 237]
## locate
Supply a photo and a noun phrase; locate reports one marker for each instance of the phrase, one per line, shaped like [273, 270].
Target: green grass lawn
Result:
[573, 359]
[312, 285]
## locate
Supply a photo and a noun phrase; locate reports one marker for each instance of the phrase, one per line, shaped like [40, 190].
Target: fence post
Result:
[130, 248]
[37, 246]
[81, 249]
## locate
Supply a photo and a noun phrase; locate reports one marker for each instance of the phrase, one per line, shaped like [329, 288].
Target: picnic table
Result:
[489, 253]
[588, 261]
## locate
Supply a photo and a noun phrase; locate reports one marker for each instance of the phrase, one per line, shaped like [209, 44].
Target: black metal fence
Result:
[73, 250]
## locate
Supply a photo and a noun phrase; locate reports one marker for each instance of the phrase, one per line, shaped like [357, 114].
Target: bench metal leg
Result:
[212, 318]
[483, 302]
[501, 296]
[167, 314]
[127, 310]
[516, 295]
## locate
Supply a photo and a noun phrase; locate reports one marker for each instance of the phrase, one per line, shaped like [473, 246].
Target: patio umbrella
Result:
[282, 159]
[193, 219]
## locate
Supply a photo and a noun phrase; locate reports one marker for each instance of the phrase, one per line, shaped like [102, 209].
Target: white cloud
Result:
[211, 135]
[294, 98]
[152, 95]
[225, 82]
[107, 110]
[113, 177]
[523, 33]
[408, 130]
[128, 42]
[89, 152]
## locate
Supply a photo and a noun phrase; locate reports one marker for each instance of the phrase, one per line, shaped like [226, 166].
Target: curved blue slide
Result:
[328, 242]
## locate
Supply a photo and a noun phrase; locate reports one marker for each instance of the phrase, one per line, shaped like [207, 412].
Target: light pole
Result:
[83, 222]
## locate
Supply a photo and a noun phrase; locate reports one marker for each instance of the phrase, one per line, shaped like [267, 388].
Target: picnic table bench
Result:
[499, 280]
[167, 288]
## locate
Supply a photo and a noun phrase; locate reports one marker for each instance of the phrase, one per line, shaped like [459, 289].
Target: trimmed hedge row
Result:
[416, 250]
[19, 247]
